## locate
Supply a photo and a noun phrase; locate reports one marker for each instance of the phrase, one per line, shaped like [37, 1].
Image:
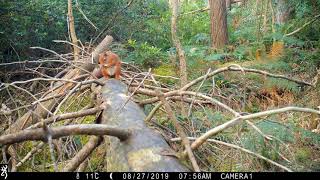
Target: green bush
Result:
[144, 54]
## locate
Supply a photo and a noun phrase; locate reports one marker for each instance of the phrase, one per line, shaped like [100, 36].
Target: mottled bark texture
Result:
[218, 17]
[145, 149]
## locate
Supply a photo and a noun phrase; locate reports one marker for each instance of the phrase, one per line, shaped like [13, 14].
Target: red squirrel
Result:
[110, 65]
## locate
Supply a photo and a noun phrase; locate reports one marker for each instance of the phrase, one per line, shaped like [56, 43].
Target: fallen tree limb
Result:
[184, 89]
[145, 149]
[57, 132]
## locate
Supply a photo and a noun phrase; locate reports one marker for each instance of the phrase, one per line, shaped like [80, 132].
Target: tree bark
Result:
[228, 4]
[180, 51]
[145, 149]
[282, 12]
[282, 15]
[218, 16]
[72, 30]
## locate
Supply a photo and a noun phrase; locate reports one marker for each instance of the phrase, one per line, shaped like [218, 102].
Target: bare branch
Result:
[77, 114]
[182, 134]
[48, 135]
[57, 132]
[198, 142]
[232, 68]
[258, 130]
[83, 154]
[85, 17]
[302, 27]
[193, 98]
[30, 153]
[242, 149]
[153, 111]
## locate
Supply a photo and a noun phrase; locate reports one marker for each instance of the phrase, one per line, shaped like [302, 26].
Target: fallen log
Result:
[145, 149]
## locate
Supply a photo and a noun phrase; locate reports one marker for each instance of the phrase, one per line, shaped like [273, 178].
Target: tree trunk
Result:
[145, 149]
[180, 52]
[228, 4]
[282, 11]
[72, 30]
[218, 16]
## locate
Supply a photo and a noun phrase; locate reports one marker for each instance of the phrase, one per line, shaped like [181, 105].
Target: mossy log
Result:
[145, 149]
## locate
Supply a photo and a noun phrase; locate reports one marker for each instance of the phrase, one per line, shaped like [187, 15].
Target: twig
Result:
[198, 142]
[152, 112]
[220, 70]
[258, 130]
[85, 17]
[185, 140]
[77, 114]
[70, 43]
[112, 19]
[33, 103]
[240, 148]
[193, 98]
[48, 135]
[125, 103]
[74, 89]
[196, 11]
[69, 62]
[32, 152]
[176, 92]
[41, 61]
[83, 154]
[24, 90]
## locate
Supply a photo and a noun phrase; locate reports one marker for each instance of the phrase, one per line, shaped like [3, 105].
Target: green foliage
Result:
[194, 29]
[26, 23]
[194, 53]
[306, 61]
[215, 117]
[166, 70]
[282, 134]
[241, 52]
[214, 57]
[253, 141]
[303, 154]
[37, 23]
[282, 84]
[201, 39]
[309, 137]
[144, 54]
